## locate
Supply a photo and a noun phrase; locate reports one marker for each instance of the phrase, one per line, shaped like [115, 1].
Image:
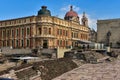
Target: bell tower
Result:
[84, 20]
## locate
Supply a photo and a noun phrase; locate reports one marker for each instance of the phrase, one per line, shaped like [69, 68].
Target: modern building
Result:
[108, 32]
[44, 30]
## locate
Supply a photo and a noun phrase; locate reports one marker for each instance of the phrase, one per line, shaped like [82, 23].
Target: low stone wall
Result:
[60, 52]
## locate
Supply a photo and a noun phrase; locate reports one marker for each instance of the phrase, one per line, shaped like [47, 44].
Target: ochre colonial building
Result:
[44, 30]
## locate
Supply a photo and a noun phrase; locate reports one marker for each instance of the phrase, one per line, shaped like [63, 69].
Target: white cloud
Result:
[91, 21]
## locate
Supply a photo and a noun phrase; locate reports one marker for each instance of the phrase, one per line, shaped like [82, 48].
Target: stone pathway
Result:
[102, 71]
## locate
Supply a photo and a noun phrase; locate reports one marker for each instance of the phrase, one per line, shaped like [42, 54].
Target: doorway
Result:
[45, 43]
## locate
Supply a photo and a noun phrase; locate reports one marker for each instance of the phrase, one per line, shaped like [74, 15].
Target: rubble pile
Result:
[26, 74]
[114, 53]
[14, 68]
[87, 56]
[91, 56]
[54, 68]
[4, 72]
[96, 54]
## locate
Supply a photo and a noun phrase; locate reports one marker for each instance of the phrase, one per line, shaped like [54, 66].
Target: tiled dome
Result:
[71, 13]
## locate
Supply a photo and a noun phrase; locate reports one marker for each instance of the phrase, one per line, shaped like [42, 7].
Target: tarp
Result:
[84, 42]
[23, 58]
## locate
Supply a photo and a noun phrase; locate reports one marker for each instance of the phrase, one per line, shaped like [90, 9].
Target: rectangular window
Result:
[12, 43]
[17, 32]
[72, 35]
[58, 42]
[57, 31]
[49, 30]
[7, 43]
[86, 37]
[19, 21]
[10, 23]
[45, 30]
[3, 34]
[22, 42]
[64, 32]
[17, 43]
[77, 35]
[66, 43]
[60, 31]
[63, 43]
[40, 31]
[28, 43]
[14, 22]
[22, 32]
[24, 20]
[8, 33]
[81, 36]
[3, 43]
[28, 31]
[12, 33]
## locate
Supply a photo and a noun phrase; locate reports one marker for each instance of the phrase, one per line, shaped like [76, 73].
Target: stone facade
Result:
[93, 35]
[108, 32]
[43, 30]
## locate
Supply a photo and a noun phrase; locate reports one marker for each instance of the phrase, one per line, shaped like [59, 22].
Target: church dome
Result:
[44, 11]
[71, 13]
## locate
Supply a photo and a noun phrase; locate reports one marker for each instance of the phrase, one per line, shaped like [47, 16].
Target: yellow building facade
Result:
[44, 30]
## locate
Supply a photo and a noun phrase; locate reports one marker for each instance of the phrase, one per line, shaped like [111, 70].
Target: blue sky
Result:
[95, 9]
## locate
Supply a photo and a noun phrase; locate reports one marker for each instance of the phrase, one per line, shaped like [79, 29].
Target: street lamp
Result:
[108, 38]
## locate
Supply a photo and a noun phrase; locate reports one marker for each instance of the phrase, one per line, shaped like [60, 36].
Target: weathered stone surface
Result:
[102, 71]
